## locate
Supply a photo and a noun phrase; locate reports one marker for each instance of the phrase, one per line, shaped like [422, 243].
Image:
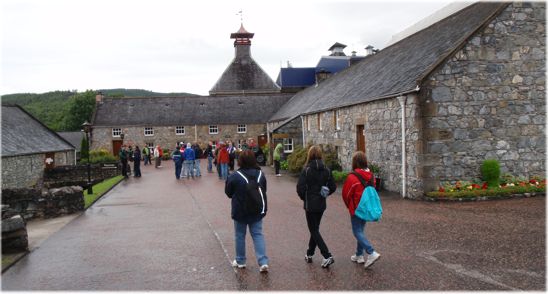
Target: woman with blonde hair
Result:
[315, 184]
[351, 194]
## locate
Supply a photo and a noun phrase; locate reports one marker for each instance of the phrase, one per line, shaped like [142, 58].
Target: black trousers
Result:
[277, 166]
[313, 220]
[124, 168]
[137, 168]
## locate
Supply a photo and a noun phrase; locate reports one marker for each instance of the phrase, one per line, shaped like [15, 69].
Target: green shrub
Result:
[375, 169]
[84, 148]
[296, 160]
[330, 158]
[340, 176]
[99, 156]
[490, 171]
[507, 191]
[284, 165]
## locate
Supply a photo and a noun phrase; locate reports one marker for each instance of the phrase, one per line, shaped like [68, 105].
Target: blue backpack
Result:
[369, 209]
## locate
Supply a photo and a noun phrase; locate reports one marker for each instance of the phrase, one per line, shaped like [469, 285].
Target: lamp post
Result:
[87, 129]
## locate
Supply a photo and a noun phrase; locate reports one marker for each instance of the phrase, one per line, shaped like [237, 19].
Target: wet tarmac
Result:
[159, 233]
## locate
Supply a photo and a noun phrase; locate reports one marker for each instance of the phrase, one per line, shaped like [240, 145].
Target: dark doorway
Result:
[360, 138]
[50, 160]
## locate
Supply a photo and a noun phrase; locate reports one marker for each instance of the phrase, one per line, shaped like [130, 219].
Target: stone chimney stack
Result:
[99, 98]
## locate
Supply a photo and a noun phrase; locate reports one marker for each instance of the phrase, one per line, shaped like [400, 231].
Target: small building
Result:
[435, 104]
[74, 138]
[28, 148]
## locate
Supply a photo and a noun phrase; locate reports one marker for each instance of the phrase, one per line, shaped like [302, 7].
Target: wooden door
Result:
[116, 146]
[360, 138]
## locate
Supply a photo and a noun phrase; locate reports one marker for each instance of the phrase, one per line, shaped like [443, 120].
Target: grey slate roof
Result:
[174, 111]
[397, 69]
[23, 134]
[75, 138]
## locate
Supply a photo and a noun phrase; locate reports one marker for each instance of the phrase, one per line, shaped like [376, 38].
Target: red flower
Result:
[533, 181]
[476, 186]
[522, 184]
[441, 189]
[484, 186]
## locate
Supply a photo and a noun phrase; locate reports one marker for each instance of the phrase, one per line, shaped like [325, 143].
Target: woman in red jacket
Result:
[223, 160]
[352, 193]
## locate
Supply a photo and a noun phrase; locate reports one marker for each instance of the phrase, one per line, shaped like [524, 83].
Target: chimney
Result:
[242, 42]
[322, 75]
[337, 49]
[369, 50]
[99, 98]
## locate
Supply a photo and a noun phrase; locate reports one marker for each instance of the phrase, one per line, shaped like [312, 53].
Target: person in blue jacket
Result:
[236, 189]
[178, 159]
[189, 160]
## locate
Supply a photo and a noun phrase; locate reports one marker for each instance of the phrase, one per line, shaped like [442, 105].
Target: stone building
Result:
[28, 148]
[238, 107]
[432, 106]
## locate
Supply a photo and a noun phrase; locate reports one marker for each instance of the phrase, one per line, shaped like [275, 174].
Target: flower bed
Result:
[509, 187]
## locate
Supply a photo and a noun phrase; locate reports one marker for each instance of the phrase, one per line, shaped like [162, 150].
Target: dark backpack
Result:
[198, 152]
[255, 197]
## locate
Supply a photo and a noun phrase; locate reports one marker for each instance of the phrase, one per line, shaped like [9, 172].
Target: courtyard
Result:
[159, 233]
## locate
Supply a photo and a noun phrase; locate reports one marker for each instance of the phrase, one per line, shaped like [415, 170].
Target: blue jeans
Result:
[256, 231]
[197, 167]
[224, 171]
[358, 226]
[189, 166]
[209, 163]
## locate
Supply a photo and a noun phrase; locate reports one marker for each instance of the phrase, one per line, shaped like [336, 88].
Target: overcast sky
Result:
[180, 46]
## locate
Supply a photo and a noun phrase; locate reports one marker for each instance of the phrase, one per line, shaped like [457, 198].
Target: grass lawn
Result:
[100, 189]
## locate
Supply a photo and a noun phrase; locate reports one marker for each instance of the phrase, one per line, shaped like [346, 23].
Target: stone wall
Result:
[382, 126]
[36, 203]
[488, 101]
[293, 130]
[165, 135]
[77, 175]
[22, 171]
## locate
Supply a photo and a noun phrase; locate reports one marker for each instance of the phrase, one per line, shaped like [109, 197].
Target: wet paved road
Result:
[157, 233]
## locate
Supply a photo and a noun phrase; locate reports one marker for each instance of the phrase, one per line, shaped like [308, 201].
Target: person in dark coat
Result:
[122, 154]
[178, 160]
[235, 188]
[137, 162]
[312, 178]
[210, 156]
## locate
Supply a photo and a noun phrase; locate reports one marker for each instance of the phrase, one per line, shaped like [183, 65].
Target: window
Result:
[288, 145]
[179, 130]
[116, 132]
[213, 129]
[242, 129]
[337, 120]
[149, 132]
[319, 121]
[150, 144]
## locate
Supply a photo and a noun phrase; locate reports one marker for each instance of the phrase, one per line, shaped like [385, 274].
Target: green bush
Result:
[330, 158]
[284, 165]
[375, 169]
[296, 160]
[340, 176]
[490, 171]
[506, 191]
[99, 156]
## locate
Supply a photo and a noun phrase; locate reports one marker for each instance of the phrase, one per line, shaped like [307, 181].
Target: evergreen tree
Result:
[84, 149]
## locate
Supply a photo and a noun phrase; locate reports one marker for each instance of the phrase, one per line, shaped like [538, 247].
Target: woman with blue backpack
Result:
[352, 193]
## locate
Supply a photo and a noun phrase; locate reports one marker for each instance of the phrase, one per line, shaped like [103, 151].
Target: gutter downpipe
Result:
[403, 99]
[195, 134]
[302, 127]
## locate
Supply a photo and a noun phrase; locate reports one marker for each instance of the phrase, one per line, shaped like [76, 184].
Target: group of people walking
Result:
[315, 184]
[129, 154]
[187, 160]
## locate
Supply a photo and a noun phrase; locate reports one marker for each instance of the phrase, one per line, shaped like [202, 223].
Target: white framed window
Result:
[242, 129]
[179, 130]
[337, 119]
[320, 121]
[288, 145]
[116, 132]
[213, 129]
[149, 132]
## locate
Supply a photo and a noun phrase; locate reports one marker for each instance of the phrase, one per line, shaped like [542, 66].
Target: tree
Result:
[84, 148]
[78, 110]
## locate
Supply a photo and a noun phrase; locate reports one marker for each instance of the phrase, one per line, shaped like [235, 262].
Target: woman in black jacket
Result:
[246, 212]
[313, 177]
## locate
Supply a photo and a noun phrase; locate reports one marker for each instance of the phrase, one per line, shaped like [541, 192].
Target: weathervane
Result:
[241, 13]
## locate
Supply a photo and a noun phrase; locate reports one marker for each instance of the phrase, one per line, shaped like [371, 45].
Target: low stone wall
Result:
[77, 175]
[46, 203]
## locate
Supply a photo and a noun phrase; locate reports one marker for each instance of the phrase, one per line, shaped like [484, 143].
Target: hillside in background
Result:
[57, 109]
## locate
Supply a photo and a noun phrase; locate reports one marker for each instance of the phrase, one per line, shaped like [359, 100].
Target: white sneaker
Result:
[328, 261]
[278, 175]
[263, 268]
[371, 259]
[235, 264]
[358, 259]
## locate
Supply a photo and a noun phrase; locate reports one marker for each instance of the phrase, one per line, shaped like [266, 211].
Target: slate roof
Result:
[75, 138]
[201, 110]
[296, 77]
[333, 64]
[22, 134]
[397, 69]
[244, 75]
